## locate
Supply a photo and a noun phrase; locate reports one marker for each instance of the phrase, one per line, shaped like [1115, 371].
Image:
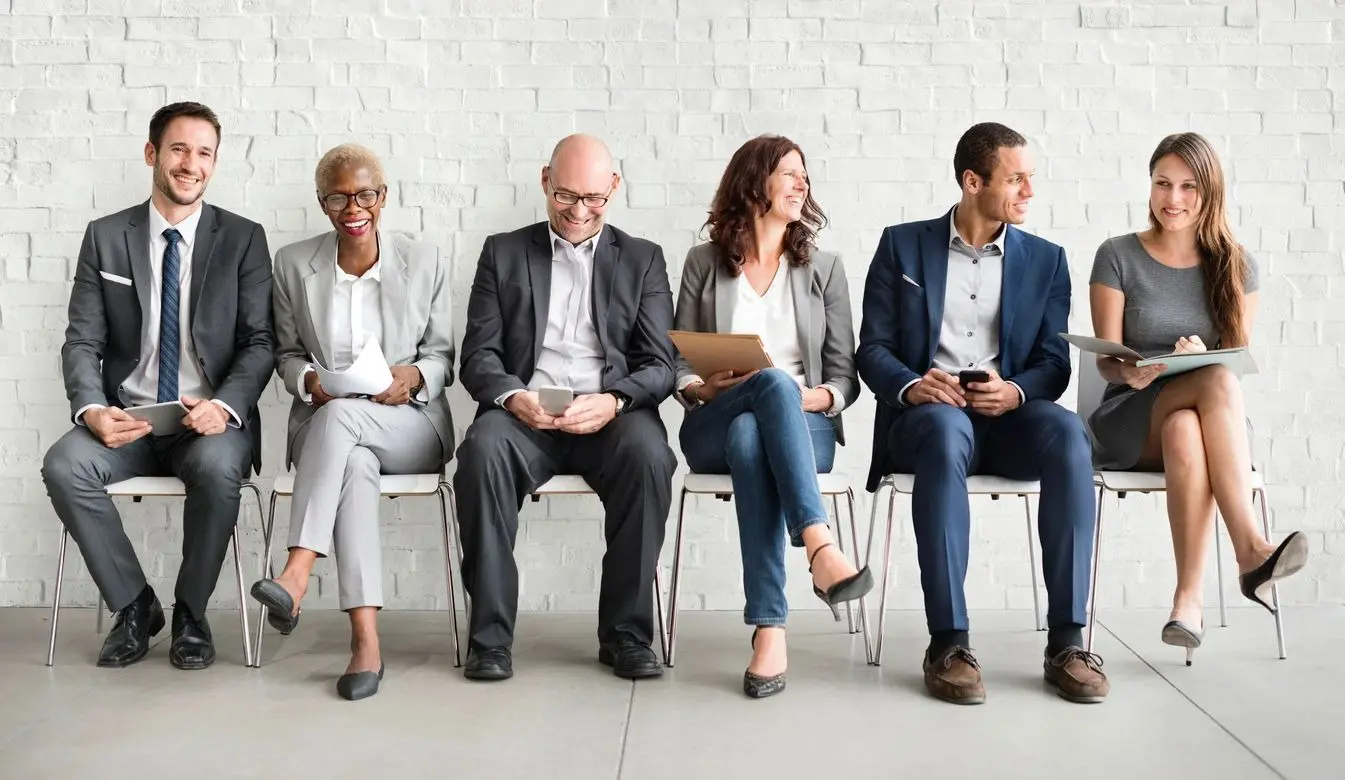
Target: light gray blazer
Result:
[417, 320]
[821, 306]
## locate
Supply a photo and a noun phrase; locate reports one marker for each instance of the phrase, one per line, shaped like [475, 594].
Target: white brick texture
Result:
[464, 99]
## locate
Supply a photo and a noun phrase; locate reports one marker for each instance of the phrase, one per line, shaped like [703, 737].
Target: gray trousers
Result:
[78, 467]
[342, 450]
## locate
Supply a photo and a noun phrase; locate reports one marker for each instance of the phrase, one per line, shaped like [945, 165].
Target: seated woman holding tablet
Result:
[1180, 286]
[772, 429]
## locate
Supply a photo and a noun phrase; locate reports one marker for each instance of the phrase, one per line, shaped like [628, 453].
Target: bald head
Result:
[580, 172]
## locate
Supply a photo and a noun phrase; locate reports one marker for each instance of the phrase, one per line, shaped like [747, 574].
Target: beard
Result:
[163, 181]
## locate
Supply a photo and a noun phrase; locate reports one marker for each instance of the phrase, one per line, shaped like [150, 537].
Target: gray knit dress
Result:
[1162, 305]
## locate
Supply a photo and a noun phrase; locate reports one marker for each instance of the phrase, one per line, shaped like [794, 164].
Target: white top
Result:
[142, 386]
[771, 316]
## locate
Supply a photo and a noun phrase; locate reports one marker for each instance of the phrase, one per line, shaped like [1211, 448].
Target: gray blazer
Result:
[230, 313]
[821, 306]
[417, 320]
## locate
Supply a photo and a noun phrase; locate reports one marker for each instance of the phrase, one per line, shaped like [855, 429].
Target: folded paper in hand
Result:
[1237, 359]
[368, 375]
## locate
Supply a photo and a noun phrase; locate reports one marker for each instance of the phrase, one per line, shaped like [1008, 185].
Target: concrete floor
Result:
[1238, 712]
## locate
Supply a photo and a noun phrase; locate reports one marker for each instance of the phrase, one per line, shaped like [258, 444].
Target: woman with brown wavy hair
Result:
[1179, 286]
[772, 431]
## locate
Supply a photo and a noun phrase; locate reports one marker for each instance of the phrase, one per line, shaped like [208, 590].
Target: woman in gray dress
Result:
[1176, 287]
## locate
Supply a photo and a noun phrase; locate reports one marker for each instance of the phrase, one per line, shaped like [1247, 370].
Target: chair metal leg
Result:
[242, 600]
[1219, 570]
[854, 536]
[1260, 493]
[1032, 563]
[840, 545]
[658, 613]
[268, 570]
[671, 657]
[876, 657]
[445, 493]
[1097, 558]
[56, 600]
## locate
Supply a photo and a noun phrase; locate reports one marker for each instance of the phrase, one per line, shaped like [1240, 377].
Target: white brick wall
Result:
[464, 98]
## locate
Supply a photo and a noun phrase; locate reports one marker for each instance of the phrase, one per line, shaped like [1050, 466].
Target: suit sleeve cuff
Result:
[837, 400]
[79, 416]
[1022, 397]
[504, 397]
[901, 396]
[304, 395]
[234, 420]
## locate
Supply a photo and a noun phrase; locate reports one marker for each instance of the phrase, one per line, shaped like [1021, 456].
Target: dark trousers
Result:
[78, 467]
[628, 464]
[942, 444]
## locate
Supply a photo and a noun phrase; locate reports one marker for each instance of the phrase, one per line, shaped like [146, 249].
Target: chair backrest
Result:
[1091, 386]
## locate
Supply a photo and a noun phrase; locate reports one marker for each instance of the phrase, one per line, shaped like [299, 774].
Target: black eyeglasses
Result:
[569, 198]
[337, 201]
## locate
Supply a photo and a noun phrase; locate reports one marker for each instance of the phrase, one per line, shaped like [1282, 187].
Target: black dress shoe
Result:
[630, 659]
[192, 647]
[359, 685]
[493, 663]
[128, 641]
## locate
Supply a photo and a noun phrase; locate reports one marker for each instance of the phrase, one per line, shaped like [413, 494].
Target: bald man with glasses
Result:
[575, 303]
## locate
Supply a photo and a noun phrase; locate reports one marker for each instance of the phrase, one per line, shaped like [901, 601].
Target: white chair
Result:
[155, 487]
[721, 486]
[566, 485]
[977, 485]
[390, 486]
[1091, 387]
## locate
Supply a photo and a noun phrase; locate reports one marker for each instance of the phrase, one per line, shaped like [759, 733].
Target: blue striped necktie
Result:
[169, 317]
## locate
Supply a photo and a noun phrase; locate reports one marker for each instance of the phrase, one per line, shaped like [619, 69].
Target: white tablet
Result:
[165, 419]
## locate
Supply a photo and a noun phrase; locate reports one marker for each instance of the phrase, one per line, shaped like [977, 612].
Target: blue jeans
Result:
[758, 432]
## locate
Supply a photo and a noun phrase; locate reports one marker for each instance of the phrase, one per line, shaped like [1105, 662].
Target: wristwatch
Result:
[622, 400]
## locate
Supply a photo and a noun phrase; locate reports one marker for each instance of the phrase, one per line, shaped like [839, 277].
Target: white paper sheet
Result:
[368, 375]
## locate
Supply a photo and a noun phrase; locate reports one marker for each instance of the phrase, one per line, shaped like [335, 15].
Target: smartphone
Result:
[555, 400]
[974, 375]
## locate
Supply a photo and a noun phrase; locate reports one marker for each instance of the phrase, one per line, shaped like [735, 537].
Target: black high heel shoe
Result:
[757, 686]
[1288, 559]
[853, 587]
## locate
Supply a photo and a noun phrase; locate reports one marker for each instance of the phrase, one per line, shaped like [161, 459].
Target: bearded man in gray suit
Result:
[171, 302]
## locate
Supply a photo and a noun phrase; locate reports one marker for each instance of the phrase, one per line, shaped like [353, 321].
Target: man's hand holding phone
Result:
[528, 408]
[936, 387]
[990, 395]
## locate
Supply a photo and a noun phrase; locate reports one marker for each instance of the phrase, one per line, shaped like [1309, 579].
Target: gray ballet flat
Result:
[360, 685]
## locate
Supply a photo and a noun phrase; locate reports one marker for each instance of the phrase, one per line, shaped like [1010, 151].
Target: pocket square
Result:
[115, 278]
[909, 281]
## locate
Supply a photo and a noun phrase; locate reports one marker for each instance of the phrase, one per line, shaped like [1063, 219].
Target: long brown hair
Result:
[741, 198]
[1222, 259]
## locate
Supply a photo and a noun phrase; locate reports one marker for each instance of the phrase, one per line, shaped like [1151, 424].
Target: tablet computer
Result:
[165, 419]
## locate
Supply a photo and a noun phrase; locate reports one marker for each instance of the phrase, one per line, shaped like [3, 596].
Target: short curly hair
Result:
[339, 157]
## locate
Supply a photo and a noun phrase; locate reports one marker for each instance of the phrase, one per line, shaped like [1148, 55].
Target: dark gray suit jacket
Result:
[230, 312]
[507, 313]
[826, 329]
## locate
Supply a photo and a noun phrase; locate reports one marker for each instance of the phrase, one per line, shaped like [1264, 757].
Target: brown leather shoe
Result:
[1077, 676]
[954, 677]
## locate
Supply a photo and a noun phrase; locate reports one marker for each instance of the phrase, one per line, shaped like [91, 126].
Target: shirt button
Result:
[970, 333]
[973, 296]
[975, 261]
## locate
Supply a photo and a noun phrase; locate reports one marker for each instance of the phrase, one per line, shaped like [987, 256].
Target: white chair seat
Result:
[563, 484]
[391, 485]
[976, 485]
[147, 486]
[1150, 481]
[722, 484]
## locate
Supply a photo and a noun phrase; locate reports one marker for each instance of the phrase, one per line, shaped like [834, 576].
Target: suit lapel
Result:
[539, 276]
[725, 295]
[605, 257]
[137, 250]
[800, 279]
[1014, 266]
[318, 287]
[202, 250]
[392, 294]
[934, 273]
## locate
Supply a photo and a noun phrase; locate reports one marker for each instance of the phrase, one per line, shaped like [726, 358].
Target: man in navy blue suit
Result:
[969, 292]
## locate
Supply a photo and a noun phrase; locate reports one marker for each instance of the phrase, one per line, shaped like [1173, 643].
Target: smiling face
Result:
[364, 196]
[787, 189]
[578, 185]
[1004, 196]
[184, 159]
[1174, 194]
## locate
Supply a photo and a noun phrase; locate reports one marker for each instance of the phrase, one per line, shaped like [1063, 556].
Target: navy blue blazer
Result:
[903, 312]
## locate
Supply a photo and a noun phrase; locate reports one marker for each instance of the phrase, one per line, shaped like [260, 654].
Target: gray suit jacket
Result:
[506, 316]
[230, 313]
[821, 306]
[417, 320]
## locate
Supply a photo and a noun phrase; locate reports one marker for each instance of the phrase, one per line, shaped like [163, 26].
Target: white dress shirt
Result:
[570, 355]
[142, 386]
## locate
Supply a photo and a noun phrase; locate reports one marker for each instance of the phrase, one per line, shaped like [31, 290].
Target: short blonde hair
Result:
[339, 157]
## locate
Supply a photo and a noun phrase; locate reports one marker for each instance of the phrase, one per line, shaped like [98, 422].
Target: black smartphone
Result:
[973, 375]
